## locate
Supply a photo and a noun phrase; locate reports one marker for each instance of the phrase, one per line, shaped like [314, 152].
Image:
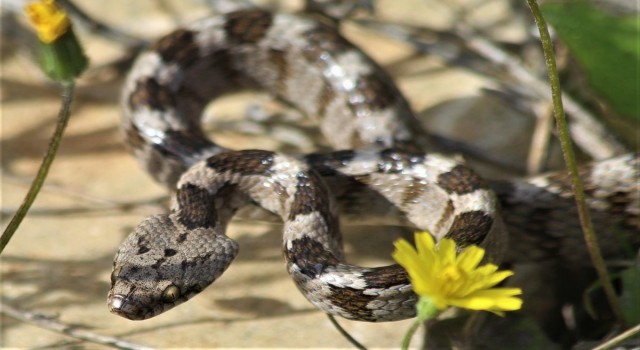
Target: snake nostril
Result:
[116, 302]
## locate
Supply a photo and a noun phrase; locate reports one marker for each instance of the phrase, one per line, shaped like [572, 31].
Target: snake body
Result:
[379, 169]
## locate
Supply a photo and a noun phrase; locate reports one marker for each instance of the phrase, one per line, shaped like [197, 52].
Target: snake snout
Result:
[116, 304]
[119, 305]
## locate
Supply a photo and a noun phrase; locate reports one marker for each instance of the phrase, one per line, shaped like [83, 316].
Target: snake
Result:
[383, 169]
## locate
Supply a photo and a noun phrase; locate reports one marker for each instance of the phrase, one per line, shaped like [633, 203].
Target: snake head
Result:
[163, 264]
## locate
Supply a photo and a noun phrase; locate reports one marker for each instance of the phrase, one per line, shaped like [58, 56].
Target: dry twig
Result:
[586, 130]
[540, 138]
[39, 320]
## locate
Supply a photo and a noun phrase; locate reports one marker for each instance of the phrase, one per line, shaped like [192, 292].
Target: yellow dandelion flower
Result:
[49, 21]
[61, 55]
[450, 279]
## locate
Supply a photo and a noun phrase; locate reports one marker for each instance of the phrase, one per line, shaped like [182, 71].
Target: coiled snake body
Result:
[379, 169]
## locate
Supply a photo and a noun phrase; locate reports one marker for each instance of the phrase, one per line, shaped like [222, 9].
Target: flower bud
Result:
[61, 55]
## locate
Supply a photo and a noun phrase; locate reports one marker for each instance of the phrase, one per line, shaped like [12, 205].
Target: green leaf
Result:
[631, 293]
[607, 47]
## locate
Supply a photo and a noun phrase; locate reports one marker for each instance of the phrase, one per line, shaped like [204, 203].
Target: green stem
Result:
[345, 334]
[619, 339]
[406, 341]
[569, 158]
[63, 118]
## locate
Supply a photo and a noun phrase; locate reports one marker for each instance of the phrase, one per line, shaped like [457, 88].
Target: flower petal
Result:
[470, 258]
[495, 278]
[489, 303]
[473, 303]
[486, 269]
[424, 242]
[496, 293]
[48, 19]
[419, 273]
[446, 251]
[404, 254]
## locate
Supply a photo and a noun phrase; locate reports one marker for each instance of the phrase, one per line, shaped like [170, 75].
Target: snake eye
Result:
[170, 294]
[114, 274]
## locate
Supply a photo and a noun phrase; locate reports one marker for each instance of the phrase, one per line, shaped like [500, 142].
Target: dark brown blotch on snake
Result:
[252, 162]
[149, 92]
[178, 47]
[196, 207]
[461, 180]
[470, 228]
[247, 26]
[310, 256]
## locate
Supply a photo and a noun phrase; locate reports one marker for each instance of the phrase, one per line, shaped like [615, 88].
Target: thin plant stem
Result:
[619, 338]
[75, 331]
[63, 119]
[570, 160]
[406, 341]
[345, 334]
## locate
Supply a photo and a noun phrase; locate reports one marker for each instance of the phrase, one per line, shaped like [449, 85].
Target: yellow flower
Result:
[49, 21]
[61, 55]
[450, 279]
